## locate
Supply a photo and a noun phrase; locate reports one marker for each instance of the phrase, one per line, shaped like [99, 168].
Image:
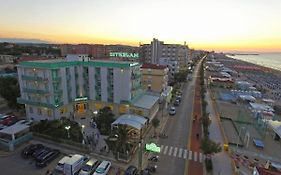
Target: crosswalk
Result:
[182, 153]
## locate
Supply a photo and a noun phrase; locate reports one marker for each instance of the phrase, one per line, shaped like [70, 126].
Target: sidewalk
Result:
[221, 161]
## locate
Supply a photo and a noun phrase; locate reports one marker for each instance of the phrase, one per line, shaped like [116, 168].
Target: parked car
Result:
[103, 168]
[177, 102]
[172, 110]
[47, 158]
[178, 98]
[60, 164]
[30, 149]
[40, 152]
[8, 120]
[131, 170]
[26, 122]
[2, 126]
[90, 167]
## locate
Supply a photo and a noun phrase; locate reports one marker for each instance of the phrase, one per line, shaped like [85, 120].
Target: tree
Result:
[209, 146]
[104, 119]
[155, 124]
[9, 90]
[180, 76]
[122, 144]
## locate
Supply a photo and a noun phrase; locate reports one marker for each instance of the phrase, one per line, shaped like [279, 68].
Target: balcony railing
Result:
[42, 104]
[33, 78]
[35, 91]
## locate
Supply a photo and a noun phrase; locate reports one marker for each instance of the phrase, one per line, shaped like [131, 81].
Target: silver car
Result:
[89, 167]
[172, 111]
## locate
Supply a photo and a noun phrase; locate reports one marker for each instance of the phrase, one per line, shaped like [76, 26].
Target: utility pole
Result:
[140, 151]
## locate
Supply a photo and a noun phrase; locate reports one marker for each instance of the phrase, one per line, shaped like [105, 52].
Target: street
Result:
[174, 149]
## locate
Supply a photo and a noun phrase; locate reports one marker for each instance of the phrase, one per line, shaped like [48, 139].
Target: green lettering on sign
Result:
[152, 147]
[124, 54]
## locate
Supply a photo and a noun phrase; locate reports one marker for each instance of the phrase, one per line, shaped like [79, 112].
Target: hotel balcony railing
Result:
[56, 79]
[33, 78]
[35, 91]
[42, 104]
[57, 91]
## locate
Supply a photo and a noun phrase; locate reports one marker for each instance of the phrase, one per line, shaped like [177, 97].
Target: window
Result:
[31, 110]
[39, 111]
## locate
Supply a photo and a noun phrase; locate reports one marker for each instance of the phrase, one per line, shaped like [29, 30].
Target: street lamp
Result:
[83, 141]
[67, 129]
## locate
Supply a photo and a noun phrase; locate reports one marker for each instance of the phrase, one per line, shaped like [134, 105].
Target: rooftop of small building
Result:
[146, 101]
[153, 66]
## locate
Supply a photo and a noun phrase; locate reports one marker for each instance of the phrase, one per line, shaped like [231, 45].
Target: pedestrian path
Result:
[181, 153]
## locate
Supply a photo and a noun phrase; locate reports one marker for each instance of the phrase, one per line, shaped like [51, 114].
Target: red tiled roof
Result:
[263, 171]
[32, 58]
[153, 66]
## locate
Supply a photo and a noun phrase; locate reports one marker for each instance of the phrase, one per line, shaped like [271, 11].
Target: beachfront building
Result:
[153, 52]
[51, 89]
[154, 77]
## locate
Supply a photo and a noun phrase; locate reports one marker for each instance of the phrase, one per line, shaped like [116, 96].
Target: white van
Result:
[60, 164]
[73, 165]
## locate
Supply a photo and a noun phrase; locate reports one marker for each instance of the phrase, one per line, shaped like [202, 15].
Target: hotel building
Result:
[51, 89]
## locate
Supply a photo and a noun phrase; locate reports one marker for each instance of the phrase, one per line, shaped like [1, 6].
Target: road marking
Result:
[165, 150]
[195, 156]
[170, 151]
[200, 157]
[175, 152]
[161, 148]
[190, 155]
[185, 154]
[180, 152]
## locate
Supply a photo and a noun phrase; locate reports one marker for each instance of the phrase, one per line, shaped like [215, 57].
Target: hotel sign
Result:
[124, 54]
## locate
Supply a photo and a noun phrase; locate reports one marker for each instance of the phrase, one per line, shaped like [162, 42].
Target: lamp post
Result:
[83, 126]
[67, 129]
[140, 151]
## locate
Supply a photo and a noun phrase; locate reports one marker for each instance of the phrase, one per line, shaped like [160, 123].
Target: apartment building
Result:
[51, 89]
[153, 52]
[154, 77]
[7, 59]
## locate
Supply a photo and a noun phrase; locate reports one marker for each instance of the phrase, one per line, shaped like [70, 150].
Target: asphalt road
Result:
[174, 149]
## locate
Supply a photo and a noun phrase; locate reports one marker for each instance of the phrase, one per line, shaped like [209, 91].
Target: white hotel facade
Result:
[51, 89]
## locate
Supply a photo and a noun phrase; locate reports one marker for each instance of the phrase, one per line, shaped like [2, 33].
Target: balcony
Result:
[41, 104]
[56, 79]
[35, 91]
[57, 91]
[33, 78]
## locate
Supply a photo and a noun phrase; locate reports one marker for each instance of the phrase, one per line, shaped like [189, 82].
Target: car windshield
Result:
[100, 170]
[86, 168]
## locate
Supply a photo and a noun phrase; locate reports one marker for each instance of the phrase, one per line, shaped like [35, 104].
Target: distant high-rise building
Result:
[153, 52]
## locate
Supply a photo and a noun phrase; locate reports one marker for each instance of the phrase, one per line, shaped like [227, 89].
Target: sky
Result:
[221, 25]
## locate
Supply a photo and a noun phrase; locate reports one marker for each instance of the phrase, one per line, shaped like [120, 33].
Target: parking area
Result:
[15, 164]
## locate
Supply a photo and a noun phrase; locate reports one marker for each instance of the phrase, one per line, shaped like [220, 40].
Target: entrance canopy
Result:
[132, 120]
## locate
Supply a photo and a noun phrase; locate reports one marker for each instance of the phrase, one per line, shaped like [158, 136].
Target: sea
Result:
[270, 60]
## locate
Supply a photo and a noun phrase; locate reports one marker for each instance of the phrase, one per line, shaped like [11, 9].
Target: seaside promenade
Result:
[194, 143]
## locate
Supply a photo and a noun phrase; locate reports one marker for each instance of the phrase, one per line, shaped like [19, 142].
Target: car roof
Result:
[103, 164]
[91, 162]
[173, 107]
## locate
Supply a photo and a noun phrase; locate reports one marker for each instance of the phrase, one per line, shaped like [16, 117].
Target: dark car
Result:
[42, 161]
[40, 152]
[177, 103]
[145, 172]
[30, 149]
[131, 170]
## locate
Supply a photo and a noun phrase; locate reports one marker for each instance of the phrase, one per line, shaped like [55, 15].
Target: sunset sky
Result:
[247, 25]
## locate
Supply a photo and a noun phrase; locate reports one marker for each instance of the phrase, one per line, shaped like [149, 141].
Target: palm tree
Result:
[155, 124]
[123, 138]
